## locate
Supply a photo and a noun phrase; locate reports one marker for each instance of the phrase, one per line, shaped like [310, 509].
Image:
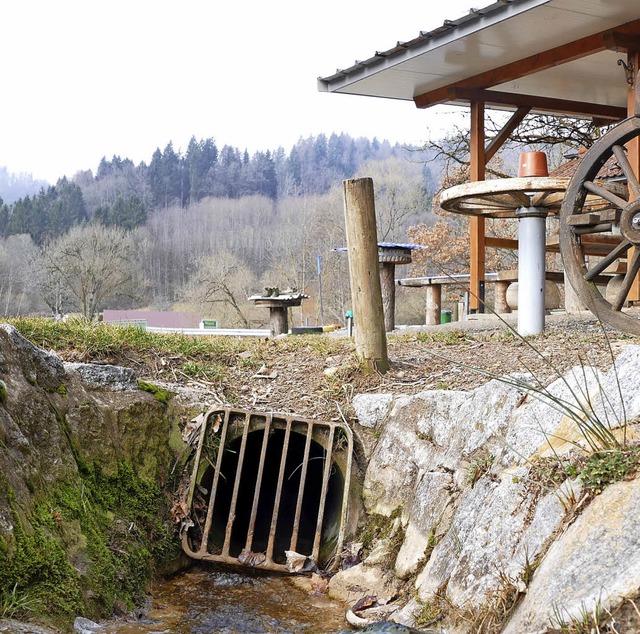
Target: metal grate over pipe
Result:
[263, 484]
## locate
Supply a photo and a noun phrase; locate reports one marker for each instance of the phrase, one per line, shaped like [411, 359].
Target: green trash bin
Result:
[445, 316]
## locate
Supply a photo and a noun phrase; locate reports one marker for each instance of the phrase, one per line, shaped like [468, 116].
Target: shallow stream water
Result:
[214, 601]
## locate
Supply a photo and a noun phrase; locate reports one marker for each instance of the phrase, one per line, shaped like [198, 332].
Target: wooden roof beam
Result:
[499, 140]
[533, 64]
[541, 104]
[622, 42]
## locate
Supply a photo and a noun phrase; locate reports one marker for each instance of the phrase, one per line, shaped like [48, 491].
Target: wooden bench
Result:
[501, 279]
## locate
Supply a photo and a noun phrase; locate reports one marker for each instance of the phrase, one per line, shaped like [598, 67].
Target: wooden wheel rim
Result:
[570, 241]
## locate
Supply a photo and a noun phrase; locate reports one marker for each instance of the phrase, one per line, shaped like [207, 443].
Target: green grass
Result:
[603, 468]
[15, 603]
[99, 340]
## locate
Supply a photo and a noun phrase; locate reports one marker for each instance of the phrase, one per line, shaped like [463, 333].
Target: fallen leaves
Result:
[249, 558]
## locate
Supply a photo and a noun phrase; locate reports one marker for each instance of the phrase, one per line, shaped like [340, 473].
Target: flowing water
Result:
[207, 600]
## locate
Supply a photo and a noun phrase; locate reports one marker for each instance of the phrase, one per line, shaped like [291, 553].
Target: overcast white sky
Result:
[84, 79]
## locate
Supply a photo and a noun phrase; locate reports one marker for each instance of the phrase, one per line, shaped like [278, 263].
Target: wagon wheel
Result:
[500, 198]
[621, 218]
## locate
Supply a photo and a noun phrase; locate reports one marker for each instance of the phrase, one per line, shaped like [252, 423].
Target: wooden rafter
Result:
[533, 64]
[501, 138]
[541, 104]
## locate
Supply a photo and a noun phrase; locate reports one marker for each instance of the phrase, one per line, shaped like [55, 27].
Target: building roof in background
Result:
[610, 170]
[154, 318]
[532, 51]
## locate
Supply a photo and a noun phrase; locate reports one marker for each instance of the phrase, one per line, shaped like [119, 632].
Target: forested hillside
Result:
[204, 228]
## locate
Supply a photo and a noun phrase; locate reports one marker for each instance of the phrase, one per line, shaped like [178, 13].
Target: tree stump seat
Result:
[278, 309]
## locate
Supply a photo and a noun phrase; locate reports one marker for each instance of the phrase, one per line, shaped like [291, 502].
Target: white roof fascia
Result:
[476, 21]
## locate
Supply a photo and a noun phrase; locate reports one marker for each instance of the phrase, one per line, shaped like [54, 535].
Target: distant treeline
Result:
[123, 194]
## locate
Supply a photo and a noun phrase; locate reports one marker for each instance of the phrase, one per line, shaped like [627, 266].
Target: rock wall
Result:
[481, 520]
[84, 456]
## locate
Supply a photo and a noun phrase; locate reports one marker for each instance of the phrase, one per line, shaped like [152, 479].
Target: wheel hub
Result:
[630, 222]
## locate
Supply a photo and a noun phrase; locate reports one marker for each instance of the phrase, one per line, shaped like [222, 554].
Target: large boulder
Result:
[465, 472]
[84, 456]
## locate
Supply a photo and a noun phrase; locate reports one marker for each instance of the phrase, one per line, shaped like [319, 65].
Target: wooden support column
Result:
[366, 295]
[477, 223]
[388, 287]
[633, 148]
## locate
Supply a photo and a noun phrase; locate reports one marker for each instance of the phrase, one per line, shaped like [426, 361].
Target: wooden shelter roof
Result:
[559, 56]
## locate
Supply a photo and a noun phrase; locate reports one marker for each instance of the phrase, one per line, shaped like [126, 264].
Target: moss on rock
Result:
[164, 396]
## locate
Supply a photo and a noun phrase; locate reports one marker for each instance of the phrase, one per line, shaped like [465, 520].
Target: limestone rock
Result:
[596, 560]
[38, 366]
[371, 409]
[113, 377]
[55, 434]
[358, 581]
[10, 626]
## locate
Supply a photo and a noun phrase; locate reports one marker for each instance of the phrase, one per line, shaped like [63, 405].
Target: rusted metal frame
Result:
[477, 224]
[196, 463]
[236, 487]
[323, 494]
[529, 65]
[256, 492]
[270, 422]
[345, 495]
[303, 478]
[214, 485]
[276, 502]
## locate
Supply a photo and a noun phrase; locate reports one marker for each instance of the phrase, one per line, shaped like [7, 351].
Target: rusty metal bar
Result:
[214, 483]
[345, 492]
[276, 502]
[323, 495]
[196, 463]
[236, 487]
[303, 478]
[256, 491]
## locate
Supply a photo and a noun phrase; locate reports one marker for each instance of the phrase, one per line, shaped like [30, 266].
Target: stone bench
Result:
[501, 279]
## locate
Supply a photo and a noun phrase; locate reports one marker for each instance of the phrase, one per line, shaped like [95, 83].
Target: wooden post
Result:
[633, 153]
[278, 324]
[388, 288]
[366, 294]
[477, 224]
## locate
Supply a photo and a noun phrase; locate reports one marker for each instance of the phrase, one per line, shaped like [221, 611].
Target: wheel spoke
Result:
[626, 167]
[625, 287]
[604, 193]
[615, 253]
[516, 199]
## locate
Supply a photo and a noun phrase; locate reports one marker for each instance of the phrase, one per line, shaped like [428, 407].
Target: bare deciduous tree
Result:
[93, 263]
[222, 282]
[401, 199]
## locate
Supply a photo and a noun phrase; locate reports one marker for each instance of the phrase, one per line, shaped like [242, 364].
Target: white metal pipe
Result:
[531, 270]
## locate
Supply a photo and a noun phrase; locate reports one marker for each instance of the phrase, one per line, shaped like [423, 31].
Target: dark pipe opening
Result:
[288, 499]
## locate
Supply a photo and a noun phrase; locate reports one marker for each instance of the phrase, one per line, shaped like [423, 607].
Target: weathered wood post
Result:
[390, 256]
[366, 295]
